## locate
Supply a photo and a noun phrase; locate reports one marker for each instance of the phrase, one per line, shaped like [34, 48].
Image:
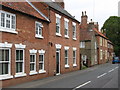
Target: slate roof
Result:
[23, 7]
[60, 9]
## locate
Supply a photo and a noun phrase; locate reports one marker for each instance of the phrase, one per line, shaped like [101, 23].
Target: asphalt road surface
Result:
[101, 76]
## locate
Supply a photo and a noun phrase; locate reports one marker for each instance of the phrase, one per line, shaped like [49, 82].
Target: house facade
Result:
[102, 47]
[63, 38]
[36, 43]
[95, 47]
[110, 51]
[88, 42]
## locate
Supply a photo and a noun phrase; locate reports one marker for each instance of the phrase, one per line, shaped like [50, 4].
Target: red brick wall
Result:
[64, 42]
[26, 35]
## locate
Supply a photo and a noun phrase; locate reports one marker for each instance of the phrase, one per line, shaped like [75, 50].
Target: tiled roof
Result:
[99, 33]
[60, 9]
[24, 7]
[110, 42]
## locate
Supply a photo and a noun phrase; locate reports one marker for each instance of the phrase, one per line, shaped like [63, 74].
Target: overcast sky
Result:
[98, 10]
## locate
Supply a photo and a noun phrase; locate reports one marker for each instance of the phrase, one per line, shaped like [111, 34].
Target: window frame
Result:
[33, 71]
[42, 52]
[9, 62]
[74, 30]
[82, 44]
[19, 61]
[101, 54]
[74, 58]
[20, 47]
[58, 17]
[5, 29]
[66, 27]
[37, 29]
[6, 46]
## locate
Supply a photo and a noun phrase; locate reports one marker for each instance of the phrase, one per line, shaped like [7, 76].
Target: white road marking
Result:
[102, 75]
[82, 85]
[111, 70]
[116, 67]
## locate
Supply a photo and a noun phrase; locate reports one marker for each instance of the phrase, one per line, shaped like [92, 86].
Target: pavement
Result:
[100, 76]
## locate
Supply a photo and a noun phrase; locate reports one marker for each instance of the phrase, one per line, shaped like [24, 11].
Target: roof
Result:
[110, 42]
[99, 33]
[60, 9]
[24, 7]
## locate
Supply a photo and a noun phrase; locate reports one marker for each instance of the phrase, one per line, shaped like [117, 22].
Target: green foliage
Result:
[112, 29]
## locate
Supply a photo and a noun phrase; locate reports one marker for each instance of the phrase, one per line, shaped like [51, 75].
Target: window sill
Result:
[8, 31]
[5, 77]
[39, 36]
[20, 74]
[58, 34]
[33, 73]
[67, 66]
[66, 36]
[42, 71]
[74, 65]
[74, 38]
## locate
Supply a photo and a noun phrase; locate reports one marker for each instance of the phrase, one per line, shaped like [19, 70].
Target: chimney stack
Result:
[84, 18]
[60, 2]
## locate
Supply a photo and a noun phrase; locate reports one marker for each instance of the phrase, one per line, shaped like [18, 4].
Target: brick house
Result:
[23, 45]
[102, 47]
[63, 38]
[37, 40]
[88, 42]
[110, 51]
[93, 44]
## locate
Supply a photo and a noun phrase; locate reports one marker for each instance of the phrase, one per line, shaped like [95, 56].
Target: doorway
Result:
[57, 61]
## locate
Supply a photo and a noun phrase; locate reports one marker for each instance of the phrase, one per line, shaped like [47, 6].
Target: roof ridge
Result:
[37, 10]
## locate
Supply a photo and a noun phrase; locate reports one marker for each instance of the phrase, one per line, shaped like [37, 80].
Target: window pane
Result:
[8, 23]
[40, 30]
[6, 55]
[74, 61]
[17, 55]
[66, 32]
[40, 66]
[36, 28]
[13, 22]
[66, 53]
[1, 55]
[21, 54]
[32, 67]
[3, 68]
[19, 67]
[66, 61]
[73, 53]
[32, 58]
[2, 19]
[57, 29]
[40, 57]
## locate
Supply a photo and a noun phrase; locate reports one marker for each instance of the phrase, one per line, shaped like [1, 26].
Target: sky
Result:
[98, 10]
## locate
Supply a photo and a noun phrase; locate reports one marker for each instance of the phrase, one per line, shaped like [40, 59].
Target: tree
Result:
[112, 29]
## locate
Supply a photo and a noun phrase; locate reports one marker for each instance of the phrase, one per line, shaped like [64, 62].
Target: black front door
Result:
[57, 61]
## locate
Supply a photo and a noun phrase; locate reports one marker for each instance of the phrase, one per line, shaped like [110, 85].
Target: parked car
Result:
[116, 60]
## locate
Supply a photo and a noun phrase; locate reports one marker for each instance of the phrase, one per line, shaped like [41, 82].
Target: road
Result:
[101, 76]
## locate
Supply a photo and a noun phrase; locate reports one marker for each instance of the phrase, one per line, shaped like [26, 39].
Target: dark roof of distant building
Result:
[57, 7]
